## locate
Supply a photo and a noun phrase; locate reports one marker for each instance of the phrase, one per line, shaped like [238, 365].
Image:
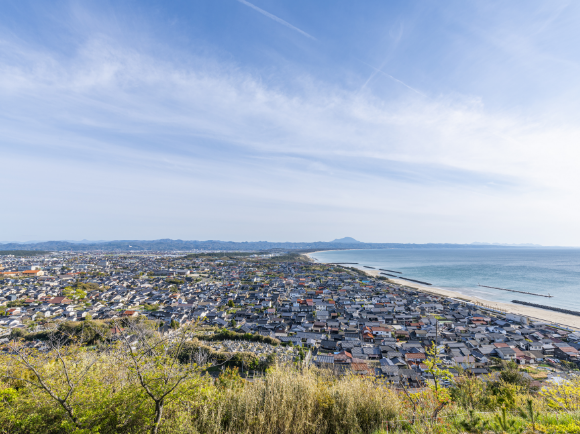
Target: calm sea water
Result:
[537, 270]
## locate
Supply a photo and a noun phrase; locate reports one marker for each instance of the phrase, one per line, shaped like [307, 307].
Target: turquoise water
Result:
[537, 270]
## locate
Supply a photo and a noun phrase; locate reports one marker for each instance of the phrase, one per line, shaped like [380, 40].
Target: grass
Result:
[291, 401]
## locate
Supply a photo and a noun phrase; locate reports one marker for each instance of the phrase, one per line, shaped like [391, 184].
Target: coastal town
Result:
[328, 315]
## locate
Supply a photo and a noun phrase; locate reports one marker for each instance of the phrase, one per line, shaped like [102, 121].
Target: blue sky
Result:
[290, 120]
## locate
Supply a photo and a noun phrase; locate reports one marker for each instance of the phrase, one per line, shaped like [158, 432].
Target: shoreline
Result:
[535, 314]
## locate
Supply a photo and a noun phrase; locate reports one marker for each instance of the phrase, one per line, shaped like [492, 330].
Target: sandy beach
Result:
[548, 316]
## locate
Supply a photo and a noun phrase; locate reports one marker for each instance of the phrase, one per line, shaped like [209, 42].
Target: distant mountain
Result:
[66, 241]
[215, 245]
[346, 240]
[87, 241]
[180, 245]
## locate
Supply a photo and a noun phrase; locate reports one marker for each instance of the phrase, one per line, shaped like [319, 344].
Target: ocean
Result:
[538, 270]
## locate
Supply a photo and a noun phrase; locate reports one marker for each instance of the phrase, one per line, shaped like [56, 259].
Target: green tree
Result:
[57, 374]
[231, 303]
[440, 376]
[174, 324]
[74, 293]
[230, 379]
[90, 286]
[530, 414]
[563, 396]
[18, 333]
[511, 374]
[153, 363]
[502, 425]
[474, 424]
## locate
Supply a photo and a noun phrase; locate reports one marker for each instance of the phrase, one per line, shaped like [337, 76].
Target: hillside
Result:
[181, 245]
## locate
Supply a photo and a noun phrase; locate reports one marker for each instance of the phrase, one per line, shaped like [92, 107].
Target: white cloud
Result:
[208, 132]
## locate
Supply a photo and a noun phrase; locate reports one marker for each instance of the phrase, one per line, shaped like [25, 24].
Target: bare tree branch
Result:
[60, 381]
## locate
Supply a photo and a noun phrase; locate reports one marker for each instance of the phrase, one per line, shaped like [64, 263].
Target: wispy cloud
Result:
[107, 100]
[277, 19]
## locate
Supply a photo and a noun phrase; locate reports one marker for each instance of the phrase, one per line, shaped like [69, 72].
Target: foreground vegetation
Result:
[110, 394]
[125, 377]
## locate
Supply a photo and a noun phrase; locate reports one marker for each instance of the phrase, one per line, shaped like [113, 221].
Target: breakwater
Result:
[372, 268]
[404, 278]
[391, 271]
[541, 306]
[343, 263]
[513, 290]
[413, 280]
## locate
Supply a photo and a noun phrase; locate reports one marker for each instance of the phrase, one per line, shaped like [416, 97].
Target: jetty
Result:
[541, 306]
[391, 271]
[413, 280]
[343, 263]
[404, 278]
[372, 268]
[520, 292]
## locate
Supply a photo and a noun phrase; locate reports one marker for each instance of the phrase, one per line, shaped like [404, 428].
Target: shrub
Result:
[563, 396]
[224, 334]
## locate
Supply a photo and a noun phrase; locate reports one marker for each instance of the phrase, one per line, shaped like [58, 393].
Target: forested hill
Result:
[180, 245]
